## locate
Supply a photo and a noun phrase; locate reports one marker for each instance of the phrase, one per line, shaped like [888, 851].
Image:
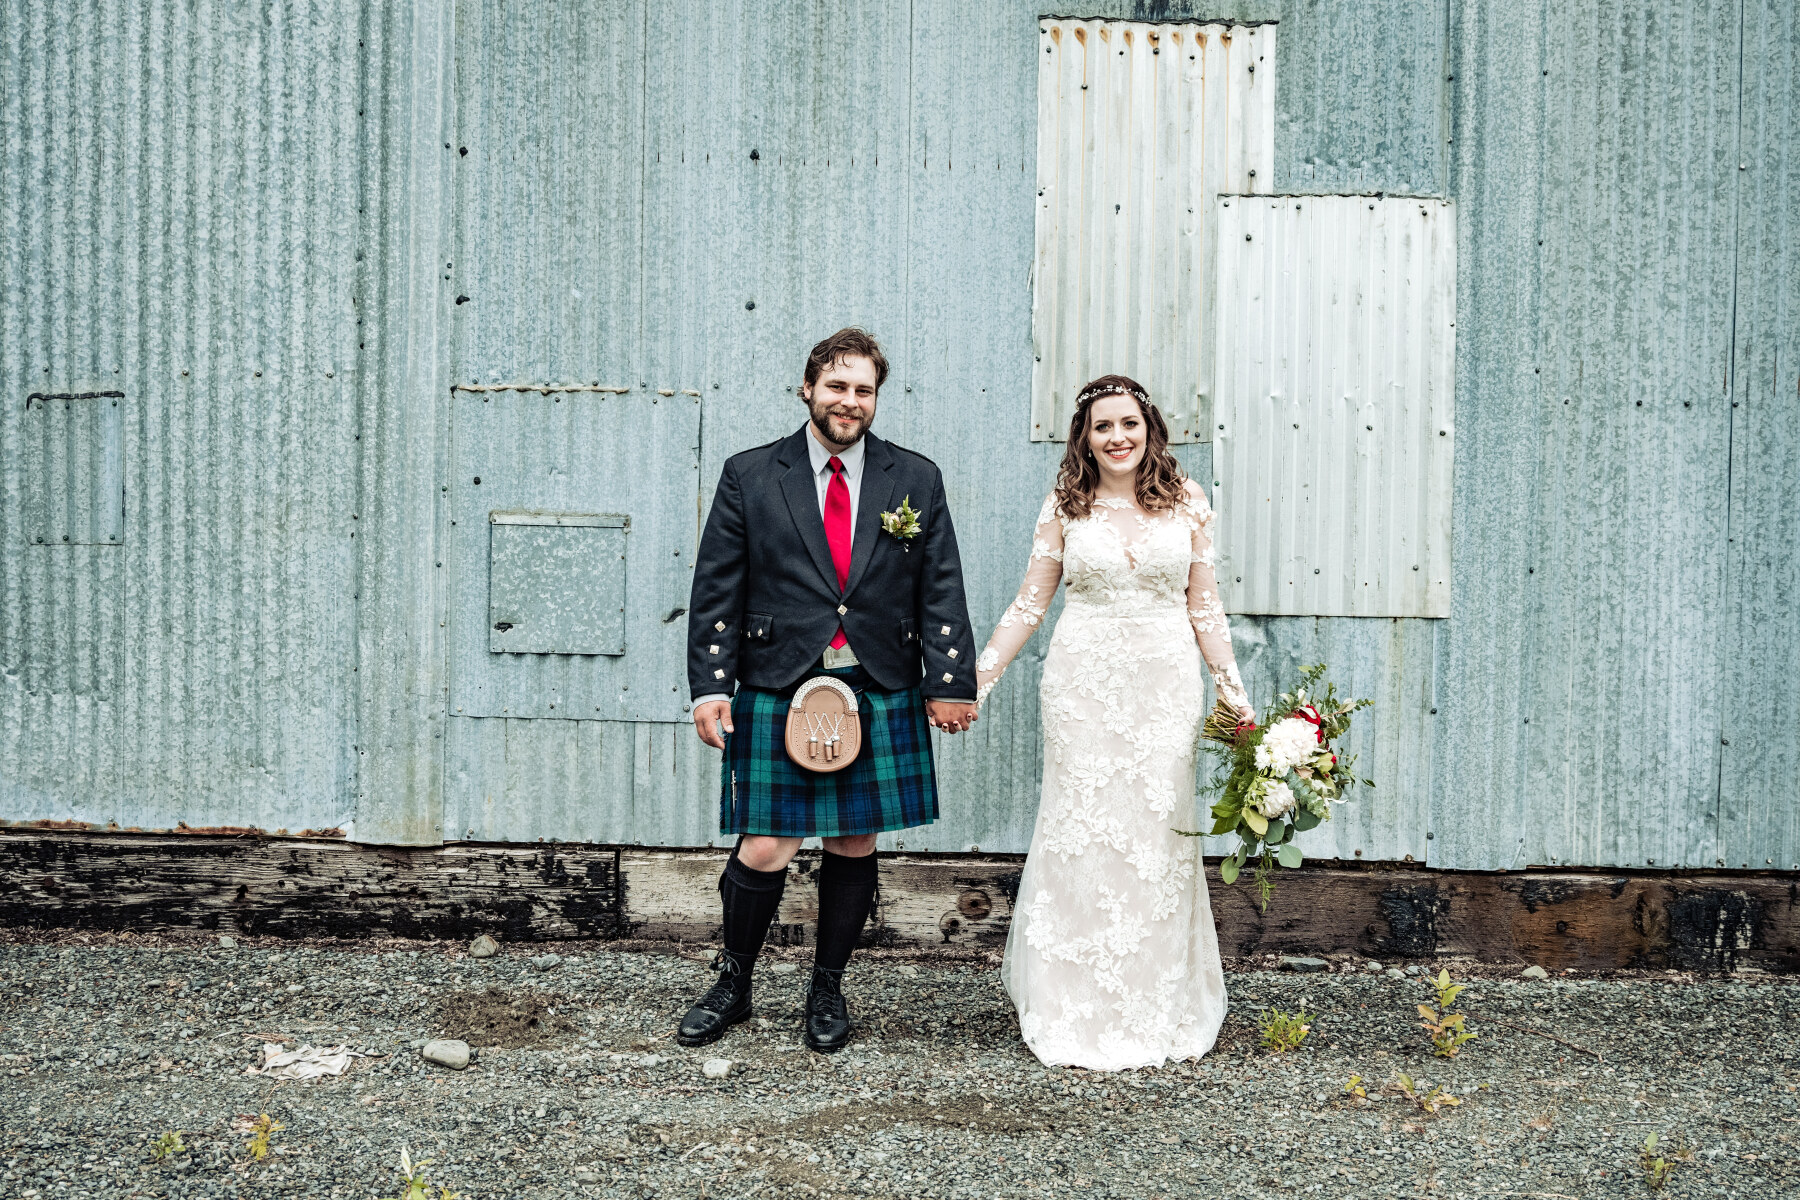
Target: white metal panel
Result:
[1139, 126]
[1336, 350]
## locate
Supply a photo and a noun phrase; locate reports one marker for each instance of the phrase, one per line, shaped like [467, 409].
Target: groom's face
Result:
[842, 400]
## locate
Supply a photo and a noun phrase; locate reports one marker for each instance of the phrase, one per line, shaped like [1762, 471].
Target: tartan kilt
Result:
[891, 785]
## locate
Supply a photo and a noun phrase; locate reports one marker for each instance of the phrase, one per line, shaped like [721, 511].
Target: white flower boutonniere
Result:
[902, 524]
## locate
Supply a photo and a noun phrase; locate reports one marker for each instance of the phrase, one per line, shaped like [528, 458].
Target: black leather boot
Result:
[827, 1016]
[725, 1004]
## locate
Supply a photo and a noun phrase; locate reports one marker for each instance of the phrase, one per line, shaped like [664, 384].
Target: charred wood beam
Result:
[286, 887]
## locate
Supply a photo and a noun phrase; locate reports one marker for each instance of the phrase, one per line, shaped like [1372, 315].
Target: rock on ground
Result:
[109, 1046]
[446, 1052]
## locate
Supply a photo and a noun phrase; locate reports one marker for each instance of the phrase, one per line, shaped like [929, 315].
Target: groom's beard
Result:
[839, 431]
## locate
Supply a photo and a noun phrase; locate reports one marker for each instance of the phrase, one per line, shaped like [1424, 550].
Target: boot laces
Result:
[826, 994]
[725, 990]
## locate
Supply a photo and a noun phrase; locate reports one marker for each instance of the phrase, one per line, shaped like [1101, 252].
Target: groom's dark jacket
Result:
[766, 602]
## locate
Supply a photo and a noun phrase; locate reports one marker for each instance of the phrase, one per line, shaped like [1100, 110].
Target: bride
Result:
[1112, 960]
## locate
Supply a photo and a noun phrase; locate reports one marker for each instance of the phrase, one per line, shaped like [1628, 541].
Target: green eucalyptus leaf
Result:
[1258, 823]
[1228, 870]
[1305, 820]
[1288, 856]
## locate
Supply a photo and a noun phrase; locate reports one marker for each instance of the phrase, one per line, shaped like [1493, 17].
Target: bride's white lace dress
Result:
[1112, 960]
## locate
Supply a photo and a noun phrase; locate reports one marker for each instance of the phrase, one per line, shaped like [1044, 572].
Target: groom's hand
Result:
[707, 719]
[951, 716]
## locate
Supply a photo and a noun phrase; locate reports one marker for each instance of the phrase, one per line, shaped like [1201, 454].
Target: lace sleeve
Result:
[1020, 620]
[1206, 611]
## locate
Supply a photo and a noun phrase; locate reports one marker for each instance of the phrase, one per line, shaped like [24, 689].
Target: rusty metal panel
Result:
[179, 193]
[1335, 415]
[1139, 126]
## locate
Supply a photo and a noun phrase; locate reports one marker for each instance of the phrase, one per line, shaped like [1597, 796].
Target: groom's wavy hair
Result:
[849, 342]
[1161, 484]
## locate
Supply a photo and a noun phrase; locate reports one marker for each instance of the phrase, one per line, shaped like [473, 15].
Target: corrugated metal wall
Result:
[231, 190]
[1759, 815]
[179, 193]
[1139, 126]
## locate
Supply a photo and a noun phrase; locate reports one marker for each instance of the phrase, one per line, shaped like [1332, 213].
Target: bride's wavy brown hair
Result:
[1161, 483]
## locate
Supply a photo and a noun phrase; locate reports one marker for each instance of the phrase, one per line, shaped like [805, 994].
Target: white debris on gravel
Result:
[302, 1062]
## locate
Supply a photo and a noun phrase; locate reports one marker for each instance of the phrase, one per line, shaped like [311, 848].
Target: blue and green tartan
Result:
[891, 785]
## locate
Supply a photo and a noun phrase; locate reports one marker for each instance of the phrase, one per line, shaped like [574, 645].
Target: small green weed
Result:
[412, 1177]
[1355, 1089]
[261, 1130]
[1428, 1101]
[1658, 1166]
[168, 1145]
[1445, 1027]
[1281, 1032]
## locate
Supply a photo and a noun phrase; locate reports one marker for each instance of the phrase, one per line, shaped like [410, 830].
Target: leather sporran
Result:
[824, 732]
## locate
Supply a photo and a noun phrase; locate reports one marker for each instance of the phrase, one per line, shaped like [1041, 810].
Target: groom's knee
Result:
[855, 845]
[761, 853]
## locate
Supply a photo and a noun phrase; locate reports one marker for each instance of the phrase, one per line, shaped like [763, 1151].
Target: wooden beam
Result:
[284, 887]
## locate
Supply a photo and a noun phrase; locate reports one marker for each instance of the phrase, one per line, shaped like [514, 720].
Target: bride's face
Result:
[1116, 437]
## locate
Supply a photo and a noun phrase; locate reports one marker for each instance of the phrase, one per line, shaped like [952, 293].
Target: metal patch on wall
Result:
[541, 481]
[74, 476]
[1335, 413]
[556, 583]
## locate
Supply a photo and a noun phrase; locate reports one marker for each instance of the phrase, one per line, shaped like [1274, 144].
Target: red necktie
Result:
[838, 533]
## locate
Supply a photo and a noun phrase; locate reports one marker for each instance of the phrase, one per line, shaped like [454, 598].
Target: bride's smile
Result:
[1116, 438]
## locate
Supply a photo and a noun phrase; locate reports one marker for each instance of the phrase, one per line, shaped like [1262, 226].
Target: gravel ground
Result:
[107, 1045]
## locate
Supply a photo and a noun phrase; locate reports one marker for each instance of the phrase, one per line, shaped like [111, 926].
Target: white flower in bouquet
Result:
[1288, 743]
[1277, 800]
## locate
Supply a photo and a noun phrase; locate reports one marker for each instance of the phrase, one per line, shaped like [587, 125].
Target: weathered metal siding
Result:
[1360, 101]
[1595, 174]
[1759, 734]
[189, 189]
[1334, 414]
[1139, 126]
[179, 190]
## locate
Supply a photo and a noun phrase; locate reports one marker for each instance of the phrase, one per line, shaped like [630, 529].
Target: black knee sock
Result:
[751, 898]
[846, 892]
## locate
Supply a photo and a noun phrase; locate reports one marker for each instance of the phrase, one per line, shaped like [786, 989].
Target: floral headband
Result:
[1110, 389]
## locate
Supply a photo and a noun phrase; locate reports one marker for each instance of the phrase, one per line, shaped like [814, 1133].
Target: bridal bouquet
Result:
[1279, 779]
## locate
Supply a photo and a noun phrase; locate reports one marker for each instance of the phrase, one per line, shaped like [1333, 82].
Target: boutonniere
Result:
[902, 524]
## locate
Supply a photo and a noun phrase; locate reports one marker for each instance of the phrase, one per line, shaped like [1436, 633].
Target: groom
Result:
[797, 577]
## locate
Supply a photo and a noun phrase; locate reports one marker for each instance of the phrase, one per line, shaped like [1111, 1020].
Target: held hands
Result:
[707, 719]
[951, 716]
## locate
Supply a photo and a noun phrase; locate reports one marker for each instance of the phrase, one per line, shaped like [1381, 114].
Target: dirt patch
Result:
[975, 1112]
[499, 1018]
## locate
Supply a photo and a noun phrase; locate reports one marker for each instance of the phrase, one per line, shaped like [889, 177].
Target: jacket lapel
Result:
[802, 495]
[876, 497]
